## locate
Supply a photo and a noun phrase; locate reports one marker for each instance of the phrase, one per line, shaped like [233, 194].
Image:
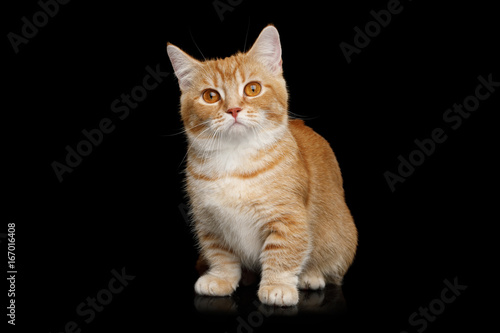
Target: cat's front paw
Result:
[279, 294]
[211, 285]
[311, 282]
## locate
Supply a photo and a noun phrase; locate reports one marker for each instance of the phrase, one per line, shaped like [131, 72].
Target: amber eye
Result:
[252, 89]
[211, 96]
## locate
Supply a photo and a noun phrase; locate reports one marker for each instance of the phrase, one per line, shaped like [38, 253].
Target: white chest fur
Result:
[236, 206]
[236, 211]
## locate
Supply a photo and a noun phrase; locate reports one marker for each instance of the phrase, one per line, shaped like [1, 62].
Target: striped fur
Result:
[266, 192]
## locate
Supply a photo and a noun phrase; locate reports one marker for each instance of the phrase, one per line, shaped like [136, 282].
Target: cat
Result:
[265, 191]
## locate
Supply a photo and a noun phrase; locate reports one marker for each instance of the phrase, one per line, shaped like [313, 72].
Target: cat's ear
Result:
[184, 65]
[267, 49]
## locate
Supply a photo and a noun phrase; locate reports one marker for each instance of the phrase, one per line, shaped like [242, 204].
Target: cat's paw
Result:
[211, 285]
[311, 282]
[279, 294]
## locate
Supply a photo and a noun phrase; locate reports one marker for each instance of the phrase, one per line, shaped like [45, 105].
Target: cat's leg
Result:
[285, 251]
[224, 271]
[311, 279]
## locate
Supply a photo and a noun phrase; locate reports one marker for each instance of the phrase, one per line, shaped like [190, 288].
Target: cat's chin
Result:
[237, 128]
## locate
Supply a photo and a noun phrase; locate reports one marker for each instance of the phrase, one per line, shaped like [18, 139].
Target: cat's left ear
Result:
[267, 49]
[183, 64]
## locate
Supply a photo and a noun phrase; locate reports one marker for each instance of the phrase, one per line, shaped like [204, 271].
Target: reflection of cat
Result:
[329, 301]
[265, 192]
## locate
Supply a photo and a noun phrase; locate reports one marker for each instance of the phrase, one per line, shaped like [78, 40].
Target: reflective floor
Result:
[329, 301]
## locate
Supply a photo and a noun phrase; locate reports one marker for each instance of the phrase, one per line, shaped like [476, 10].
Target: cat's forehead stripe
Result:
[223, 71]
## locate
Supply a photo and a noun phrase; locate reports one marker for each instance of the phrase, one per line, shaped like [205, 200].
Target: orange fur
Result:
[265, 194]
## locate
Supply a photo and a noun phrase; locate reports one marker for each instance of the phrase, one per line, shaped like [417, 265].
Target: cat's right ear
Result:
[184, 65]
[267, 49]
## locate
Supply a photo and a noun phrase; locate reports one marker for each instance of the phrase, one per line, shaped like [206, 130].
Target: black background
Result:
[120, 206]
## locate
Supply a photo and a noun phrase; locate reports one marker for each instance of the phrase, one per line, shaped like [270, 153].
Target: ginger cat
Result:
[265, 191]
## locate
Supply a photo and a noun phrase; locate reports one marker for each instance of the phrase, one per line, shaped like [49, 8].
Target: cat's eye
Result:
[252, 89]
[211, 96]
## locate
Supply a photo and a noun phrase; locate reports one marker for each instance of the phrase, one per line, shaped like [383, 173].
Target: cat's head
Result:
[235, 99]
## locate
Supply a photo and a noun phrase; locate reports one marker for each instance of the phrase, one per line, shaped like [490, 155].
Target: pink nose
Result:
[234, 112]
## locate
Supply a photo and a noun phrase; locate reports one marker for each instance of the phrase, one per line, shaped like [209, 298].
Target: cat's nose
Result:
[234, 111]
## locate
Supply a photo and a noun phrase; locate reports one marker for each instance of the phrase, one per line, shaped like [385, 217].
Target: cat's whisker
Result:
[191, 144]
[196, 45]
[246, 36]
[219, 140]
[208, 146]
[216, 140]
[293, 115]
[299, 116]
[174, 134]
[206, 122]
[185, 130]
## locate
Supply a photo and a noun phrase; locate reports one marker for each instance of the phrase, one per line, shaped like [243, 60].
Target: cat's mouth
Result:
[237, 123]
[236, 126]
